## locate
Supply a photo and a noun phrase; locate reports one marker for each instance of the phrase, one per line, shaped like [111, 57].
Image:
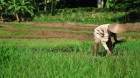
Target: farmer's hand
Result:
[109, 52]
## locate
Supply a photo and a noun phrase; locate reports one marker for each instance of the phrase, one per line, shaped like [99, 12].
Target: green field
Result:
[54, 39]
[66, 58]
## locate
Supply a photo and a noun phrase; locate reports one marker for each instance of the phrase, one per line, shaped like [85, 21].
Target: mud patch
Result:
[70, 26]
[58, 34]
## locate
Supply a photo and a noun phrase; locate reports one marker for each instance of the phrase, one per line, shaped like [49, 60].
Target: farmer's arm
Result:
[104, 42]
[106, 47]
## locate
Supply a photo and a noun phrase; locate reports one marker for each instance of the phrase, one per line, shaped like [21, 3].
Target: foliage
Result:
[77, 62]
[124, 5]
[20, 7]
[2, 10]
[2, 4]
[81, 15]
[131, 7]
[26, 10]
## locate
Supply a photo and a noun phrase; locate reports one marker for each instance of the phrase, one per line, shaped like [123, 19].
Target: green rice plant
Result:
[77, 62]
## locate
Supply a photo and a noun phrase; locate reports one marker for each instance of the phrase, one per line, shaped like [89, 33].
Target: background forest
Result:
[27, 10]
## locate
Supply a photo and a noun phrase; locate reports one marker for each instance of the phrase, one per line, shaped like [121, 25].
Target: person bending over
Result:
[103, 34]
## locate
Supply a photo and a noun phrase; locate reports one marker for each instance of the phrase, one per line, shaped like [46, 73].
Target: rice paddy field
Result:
[65, 57]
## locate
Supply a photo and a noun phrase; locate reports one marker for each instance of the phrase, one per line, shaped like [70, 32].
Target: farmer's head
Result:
[117, 28]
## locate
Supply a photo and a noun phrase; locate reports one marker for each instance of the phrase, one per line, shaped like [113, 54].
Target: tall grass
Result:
[69, 61]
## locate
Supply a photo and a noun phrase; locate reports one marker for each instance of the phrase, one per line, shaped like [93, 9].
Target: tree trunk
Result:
[17, 17]
[1, 19]
[45, 7]
[100, 3]
[38, 8]
[52, 7]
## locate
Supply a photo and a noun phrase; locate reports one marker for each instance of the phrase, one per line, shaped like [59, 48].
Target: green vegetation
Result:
[64, 58]
[81, 15]
[28, 10]
[67, 60]
[60, 57]
[125, 5]
[50, 42]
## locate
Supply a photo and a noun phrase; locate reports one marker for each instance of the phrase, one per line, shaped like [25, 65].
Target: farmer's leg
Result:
[96, 44]
[95, 48]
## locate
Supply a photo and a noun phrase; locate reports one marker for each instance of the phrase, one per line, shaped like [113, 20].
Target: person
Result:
[103, 34]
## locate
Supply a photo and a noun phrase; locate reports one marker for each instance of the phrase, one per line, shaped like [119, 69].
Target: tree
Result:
[20, 6]
[130, 7]
[50, 4]
[100, 3]
[122, 5]
[2, 9]
[53, 4]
